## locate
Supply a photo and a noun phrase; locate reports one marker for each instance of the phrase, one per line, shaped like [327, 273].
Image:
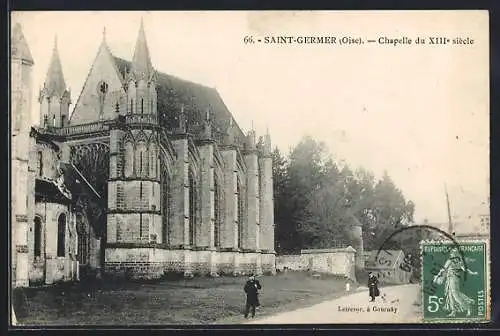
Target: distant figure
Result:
[347, 287]
[252, 290]
[373, 286]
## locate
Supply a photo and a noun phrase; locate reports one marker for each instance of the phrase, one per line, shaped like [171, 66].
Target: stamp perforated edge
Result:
[487, 278]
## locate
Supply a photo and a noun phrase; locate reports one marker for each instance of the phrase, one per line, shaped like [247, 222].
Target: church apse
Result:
[164, 180]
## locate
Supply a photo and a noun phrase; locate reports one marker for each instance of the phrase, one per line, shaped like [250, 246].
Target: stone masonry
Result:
[160, 178]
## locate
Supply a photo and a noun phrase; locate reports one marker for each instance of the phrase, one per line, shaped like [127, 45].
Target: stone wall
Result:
[154, 262]
[49, 267]
[21, 89]
[297, 262]
[331, 261]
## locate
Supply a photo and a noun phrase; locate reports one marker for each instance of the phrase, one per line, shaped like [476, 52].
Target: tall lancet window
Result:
[216, 205]
[128, 170]
[38, 237]
[131, 106]
[142, 106]
[192, 207]
[152, 160]
[239, 214]
[40, 163]
[102, 91]
[166, 201]
[61, 235]
[141, 160]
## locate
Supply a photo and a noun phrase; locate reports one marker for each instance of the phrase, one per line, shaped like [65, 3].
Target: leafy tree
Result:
[317, 203]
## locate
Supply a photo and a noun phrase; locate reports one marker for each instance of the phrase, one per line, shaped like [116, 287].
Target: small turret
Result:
[229, 136]
[54, 97]
[264, 144]
[141, 63]
[250, 143]
[142, 94]
[206, 133]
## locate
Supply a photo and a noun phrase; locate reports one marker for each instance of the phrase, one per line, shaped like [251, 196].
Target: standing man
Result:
[252, 290]
[373, 286]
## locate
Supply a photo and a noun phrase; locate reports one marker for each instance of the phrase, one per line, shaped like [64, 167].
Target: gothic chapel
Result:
[148, 175]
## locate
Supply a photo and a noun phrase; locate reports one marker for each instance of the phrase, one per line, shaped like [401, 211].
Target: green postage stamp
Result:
[455, 278]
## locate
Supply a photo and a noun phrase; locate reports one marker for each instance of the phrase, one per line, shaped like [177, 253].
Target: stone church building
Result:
[148, 175]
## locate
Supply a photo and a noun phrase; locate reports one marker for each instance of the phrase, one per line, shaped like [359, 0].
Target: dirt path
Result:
[397, 304]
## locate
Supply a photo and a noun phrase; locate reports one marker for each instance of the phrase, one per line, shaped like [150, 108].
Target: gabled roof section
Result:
[175, 93]
[19, 46]
[55, 85]
[73, 176]
[382, 259]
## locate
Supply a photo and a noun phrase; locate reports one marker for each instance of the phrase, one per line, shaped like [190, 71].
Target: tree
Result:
[279, 189]
[317, 203]
[304, 173]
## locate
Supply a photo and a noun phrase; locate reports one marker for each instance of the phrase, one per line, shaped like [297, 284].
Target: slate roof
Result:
[175, 93]
[55, 84]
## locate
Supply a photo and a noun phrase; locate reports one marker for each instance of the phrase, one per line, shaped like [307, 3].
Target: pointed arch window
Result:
[166, 201]
[61, 235]
[38, 237]
[129, 159]
[239, 212]
[141, 164]
[40, 163]
[216, 206]
[83, 242]
[152, 160]
[192, 207]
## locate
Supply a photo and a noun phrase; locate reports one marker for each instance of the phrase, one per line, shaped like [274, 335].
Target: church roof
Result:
[55, 85]
[19, 46]
[175, 93]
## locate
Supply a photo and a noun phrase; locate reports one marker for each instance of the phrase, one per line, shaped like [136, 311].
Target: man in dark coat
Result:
[373, 286]
[252, 290]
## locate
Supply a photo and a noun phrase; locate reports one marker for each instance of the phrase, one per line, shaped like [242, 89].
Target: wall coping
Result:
[334, 250]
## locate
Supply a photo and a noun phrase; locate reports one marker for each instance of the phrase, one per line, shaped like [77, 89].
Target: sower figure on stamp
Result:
[451, 274]
[373, 286]
[252, 290]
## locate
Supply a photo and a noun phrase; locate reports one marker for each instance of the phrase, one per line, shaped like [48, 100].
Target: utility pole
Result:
[450, 223]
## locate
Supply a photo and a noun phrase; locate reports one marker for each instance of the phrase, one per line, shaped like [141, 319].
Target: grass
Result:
[182, 301]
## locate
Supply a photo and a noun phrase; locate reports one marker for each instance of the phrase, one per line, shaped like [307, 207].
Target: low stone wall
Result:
[61, 269]
[296, 262]
[153, 263]
[268, 263]
[339, 261]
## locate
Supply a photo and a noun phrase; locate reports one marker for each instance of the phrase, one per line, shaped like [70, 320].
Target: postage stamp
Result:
[455, 278]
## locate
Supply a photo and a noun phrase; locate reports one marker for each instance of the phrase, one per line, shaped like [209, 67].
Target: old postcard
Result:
[264, 167]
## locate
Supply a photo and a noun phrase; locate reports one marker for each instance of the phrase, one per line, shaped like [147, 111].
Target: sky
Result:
[419, 112]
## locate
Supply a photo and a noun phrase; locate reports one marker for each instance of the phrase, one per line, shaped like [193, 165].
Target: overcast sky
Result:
[419, 112]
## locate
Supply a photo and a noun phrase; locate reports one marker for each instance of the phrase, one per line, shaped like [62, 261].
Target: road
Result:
[397, 304]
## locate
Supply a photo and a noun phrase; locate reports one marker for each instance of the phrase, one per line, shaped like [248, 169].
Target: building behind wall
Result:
[149, 174]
